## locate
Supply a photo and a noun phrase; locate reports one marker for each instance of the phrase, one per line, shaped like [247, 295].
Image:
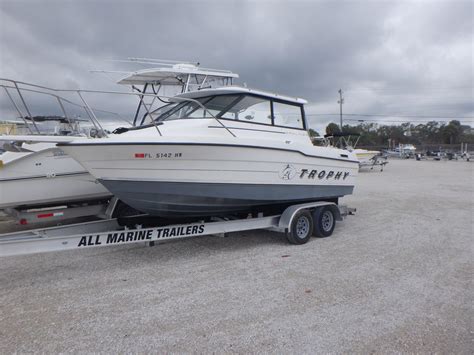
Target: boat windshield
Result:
[161, 112]
[242, 107]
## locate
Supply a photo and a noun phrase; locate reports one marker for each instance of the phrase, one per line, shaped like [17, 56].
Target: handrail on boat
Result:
[60, 101]
[89, 110]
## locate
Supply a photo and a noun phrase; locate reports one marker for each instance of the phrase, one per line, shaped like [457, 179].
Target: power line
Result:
[394, 121]
[392, 115]
[419, 88]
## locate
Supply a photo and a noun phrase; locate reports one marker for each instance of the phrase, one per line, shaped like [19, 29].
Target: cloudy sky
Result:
[396, 61]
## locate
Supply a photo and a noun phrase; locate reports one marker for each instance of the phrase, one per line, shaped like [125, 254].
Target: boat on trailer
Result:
[218, 152]
[234, 152]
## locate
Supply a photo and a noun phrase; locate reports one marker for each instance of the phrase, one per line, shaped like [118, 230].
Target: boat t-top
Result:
[169, 78]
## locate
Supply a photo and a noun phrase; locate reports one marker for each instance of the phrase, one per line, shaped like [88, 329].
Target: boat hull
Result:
[178, 199]
[203, 179]
[45, 177]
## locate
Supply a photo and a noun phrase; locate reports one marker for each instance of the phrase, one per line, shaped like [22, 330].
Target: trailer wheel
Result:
[301, 228]
[324, 221]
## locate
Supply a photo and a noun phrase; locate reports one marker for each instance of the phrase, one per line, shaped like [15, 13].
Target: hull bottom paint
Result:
[180, 199]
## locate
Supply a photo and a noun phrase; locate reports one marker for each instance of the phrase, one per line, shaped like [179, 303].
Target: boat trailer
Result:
[378, 160]
[298, 222]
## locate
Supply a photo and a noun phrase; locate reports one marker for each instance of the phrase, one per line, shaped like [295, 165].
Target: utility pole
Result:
[340, 102]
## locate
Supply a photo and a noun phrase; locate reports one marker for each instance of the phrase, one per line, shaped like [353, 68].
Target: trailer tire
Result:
[301, 228]
[324, 221]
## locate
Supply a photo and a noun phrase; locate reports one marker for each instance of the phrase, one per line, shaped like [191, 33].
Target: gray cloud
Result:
[412, 58]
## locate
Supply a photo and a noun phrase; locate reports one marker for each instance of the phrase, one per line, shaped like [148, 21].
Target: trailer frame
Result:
[111, 231]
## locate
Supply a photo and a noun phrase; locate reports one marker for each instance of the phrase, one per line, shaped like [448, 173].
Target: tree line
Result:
[433, 132]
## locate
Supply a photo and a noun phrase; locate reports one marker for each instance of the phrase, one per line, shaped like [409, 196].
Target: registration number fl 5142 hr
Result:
[158, 155]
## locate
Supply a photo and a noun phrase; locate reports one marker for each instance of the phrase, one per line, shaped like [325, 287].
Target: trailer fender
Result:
[289, 214]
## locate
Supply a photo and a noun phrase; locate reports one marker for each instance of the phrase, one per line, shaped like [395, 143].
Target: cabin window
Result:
[215, 106]
[186, 109]
[245, 108]
[253, 109]
[218, 105]
[169, 112]
[287, 115]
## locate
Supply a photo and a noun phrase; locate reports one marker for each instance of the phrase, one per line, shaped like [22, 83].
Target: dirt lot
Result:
[395, 277]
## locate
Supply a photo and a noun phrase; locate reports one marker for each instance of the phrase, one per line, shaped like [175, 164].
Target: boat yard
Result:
[395, 277]
[268, 177]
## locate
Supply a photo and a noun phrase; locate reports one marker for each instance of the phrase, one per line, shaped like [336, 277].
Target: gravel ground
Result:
[396, 277]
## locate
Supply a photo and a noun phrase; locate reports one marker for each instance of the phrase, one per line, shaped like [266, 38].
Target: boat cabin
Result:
[237, 104]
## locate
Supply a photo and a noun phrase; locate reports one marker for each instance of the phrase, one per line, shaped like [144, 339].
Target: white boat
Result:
[349, 142]
[217, 152]
[402, 151]
[42, 174]
[366, 156]
[36, 173]
[407, 149]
